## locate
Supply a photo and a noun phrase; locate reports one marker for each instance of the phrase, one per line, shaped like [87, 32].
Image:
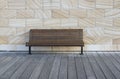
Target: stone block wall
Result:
[100, 20]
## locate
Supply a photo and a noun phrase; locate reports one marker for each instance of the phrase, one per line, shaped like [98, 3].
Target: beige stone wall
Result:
[100, 20]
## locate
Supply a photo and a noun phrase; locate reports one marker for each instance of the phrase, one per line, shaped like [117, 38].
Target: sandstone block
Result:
[78, 13]
[3, 40]
[34, 22]
[117, 22]
[87, 4]
[104, 3]
[34, 4]
[4, 23]
[3, 4]
[104, 22]
[52, 22]
[9, 14]
[24, 14]
[60, 13]
[112, 13]
[96, 13]
[69, 22]
[87, 22]
[17, 22]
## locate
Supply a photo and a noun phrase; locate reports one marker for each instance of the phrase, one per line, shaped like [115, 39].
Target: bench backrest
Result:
[53, 34]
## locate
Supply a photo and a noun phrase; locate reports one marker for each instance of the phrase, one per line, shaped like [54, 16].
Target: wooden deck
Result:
[60, 66]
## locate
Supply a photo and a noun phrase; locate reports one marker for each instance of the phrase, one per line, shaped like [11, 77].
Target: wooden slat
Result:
[114, 61]
[99, 74]
[110, 65]
[55, 68]
[103, 67]
[12, 69]
[63, 68]
[118, 53]
[26, 74]
[5, 61]
[71, 68]
[8, 65]
[80, 68]
[117, 57]
[20, 70]
[36, 72]
[47, 68]
[2, 58]
[89, 72]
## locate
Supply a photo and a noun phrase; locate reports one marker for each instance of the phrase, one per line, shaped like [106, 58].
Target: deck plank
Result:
[118, 54]
[21, 69]
[103, 67]
[47, 68]
[71, 68]
[80, 68]
[2, 58]
[8, 65]
[117, 57]
[12, 69]
[5, 61]
[110, 65]
[114, 61]
[55, 68]
[95, 67]
[28, 71]
[63, 68]
[89, 72]
[36, 72]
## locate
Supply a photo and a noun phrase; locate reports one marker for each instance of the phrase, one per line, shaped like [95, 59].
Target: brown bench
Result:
[55, 37]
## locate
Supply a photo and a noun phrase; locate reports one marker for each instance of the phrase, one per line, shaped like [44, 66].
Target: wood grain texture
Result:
[91, 65]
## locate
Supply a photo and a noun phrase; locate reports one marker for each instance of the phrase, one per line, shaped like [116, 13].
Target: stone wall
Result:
[100, 20]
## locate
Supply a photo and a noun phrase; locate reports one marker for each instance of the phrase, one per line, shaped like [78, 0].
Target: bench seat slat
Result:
[56, 43]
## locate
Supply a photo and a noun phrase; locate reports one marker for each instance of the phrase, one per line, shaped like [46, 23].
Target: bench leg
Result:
[30, 50]
[81, 50]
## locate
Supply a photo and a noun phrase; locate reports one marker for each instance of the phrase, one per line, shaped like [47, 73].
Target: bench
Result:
[55, 37]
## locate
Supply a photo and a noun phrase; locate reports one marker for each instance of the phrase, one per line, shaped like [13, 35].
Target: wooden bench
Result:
[55, 37]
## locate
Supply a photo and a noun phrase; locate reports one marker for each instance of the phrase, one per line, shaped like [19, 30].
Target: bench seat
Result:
[56, 43]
